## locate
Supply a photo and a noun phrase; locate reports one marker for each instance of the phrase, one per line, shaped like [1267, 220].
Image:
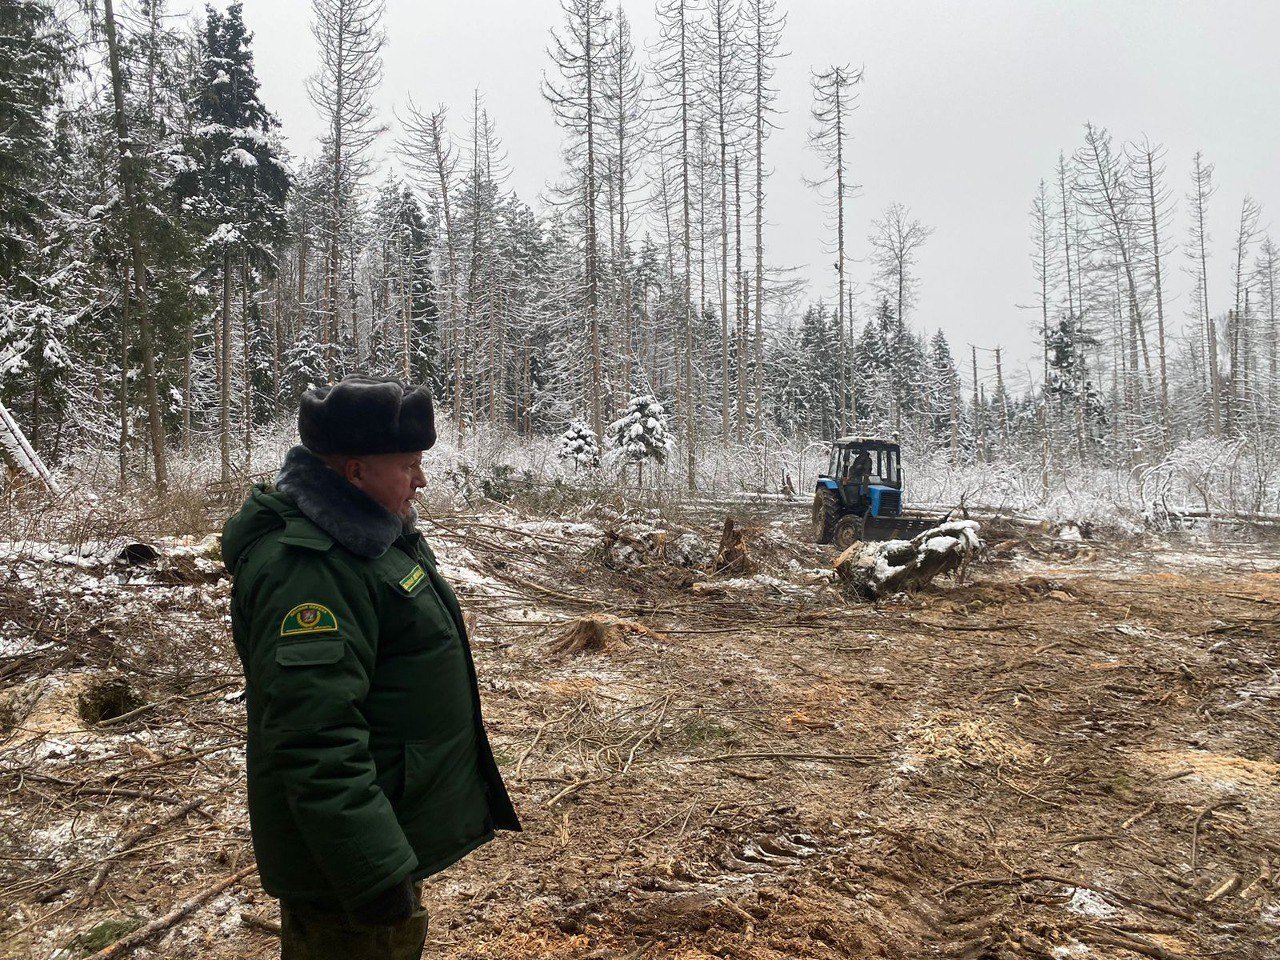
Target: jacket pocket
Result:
[310, 653]
[434, 769]
[445, 808]
[415, 615]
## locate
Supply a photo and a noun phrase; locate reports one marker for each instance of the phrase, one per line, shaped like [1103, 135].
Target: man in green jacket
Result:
[368, 763]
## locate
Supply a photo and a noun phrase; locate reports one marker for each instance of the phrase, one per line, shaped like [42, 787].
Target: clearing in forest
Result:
[1070, 754]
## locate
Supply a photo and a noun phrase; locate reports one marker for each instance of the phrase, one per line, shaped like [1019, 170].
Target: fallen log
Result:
[17, 450]
[869, 571]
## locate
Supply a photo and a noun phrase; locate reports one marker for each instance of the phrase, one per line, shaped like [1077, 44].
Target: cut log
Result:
[869, 571]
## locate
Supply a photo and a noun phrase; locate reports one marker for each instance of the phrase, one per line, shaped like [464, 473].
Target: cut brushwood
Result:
[869, 571]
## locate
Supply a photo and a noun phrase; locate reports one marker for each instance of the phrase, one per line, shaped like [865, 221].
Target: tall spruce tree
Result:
[236, 187]
[34, 58]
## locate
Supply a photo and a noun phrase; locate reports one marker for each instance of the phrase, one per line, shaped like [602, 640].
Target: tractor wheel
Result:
[848, 531]
[826, 510]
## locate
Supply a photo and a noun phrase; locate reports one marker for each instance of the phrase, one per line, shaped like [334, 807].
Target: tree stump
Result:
[731, 555]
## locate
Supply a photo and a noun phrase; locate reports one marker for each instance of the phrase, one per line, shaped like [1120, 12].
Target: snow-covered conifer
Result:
[580, 446]
[33, 63]
[641, 434]
[234, 185]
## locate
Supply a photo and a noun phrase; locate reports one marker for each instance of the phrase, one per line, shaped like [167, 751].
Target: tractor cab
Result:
[866, 474]
[859, 497]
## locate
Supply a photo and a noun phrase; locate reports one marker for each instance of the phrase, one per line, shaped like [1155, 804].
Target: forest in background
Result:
[171, 278]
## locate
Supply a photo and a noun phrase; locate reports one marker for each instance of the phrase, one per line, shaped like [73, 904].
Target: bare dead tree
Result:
[1266, 273]
[1105, 193]
[1044, 268]
[672, 69]
[834, 100]
[627, 116]
[1071, 260]
[1202, 188]
[895, 241]
[740, 307]
[723, 61]
[349, 38]
[578, 54]
[1147, 162]
[763, 27]
[428, 152]
[1239, 334]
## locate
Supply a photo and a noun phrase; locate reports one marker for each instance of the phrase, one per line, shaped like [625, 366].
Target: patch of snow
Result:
[207, 546]
[241, 157]
[1090, 903]
[761, 581]
[884, 570]
[907, 765]
[688, 550]
[458, 567]
[940, 544]
[224, 235]
[78, 837]
[16, 646]
[1263, 691]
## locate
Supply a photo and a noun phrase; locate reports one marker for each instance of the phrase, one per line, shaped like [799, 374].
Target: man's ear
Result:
[353, 471]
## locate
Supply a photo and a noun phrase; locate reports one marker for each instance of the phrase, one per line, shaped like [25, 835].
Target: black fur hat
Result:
[360, 416]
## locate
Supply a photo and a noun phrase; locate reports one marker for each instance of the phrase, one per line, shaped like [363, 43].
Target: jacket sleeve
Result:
[314, 649]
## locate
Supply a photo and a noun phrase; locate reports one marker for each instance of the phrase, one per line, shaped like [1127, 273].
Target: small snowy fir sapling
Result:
[641, 434]
[580, 446]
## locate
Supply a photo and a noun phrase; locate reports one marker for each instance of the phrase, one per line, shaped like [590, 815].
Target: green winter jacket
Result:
[367, 757]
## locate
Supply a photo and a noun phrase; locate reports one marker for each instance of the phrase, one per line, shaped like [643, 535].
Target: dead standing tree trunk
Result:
[672, 71]
[765, 28]
[349, 39]
[1202, 190]
[579, 56]
[128, 161]
[833, 101]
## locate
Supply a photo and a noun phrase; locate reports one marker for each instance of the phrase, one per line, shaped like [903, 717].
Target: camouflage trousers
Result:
[314, 932]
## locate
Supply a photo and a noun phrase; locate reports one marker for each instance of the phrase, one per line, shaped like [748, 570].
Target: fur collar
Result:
[344, 512]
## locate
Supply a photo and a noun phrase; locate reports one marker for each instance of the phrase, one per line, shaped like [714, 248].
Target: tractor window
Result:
[885, 468]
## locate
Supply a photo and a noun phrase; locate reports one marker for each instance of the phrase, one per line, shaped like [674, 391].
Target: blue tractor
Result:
[859, 497]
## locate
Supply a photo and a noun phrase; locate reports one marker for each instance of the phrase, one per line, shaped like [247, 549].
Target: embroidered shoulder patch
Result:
[413, 579]
[308, 618]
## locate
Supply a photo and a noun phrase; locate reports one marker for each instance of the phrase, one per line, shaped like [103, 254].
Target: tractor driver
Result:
[860, 471]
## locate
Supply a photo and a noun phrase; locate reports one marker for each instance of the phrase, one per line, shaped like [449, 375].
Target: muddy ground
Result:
[1073, 754]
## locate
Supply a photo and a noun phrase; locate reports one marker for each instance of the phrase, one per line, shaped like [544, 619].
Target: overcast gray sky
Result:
[964, 108]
